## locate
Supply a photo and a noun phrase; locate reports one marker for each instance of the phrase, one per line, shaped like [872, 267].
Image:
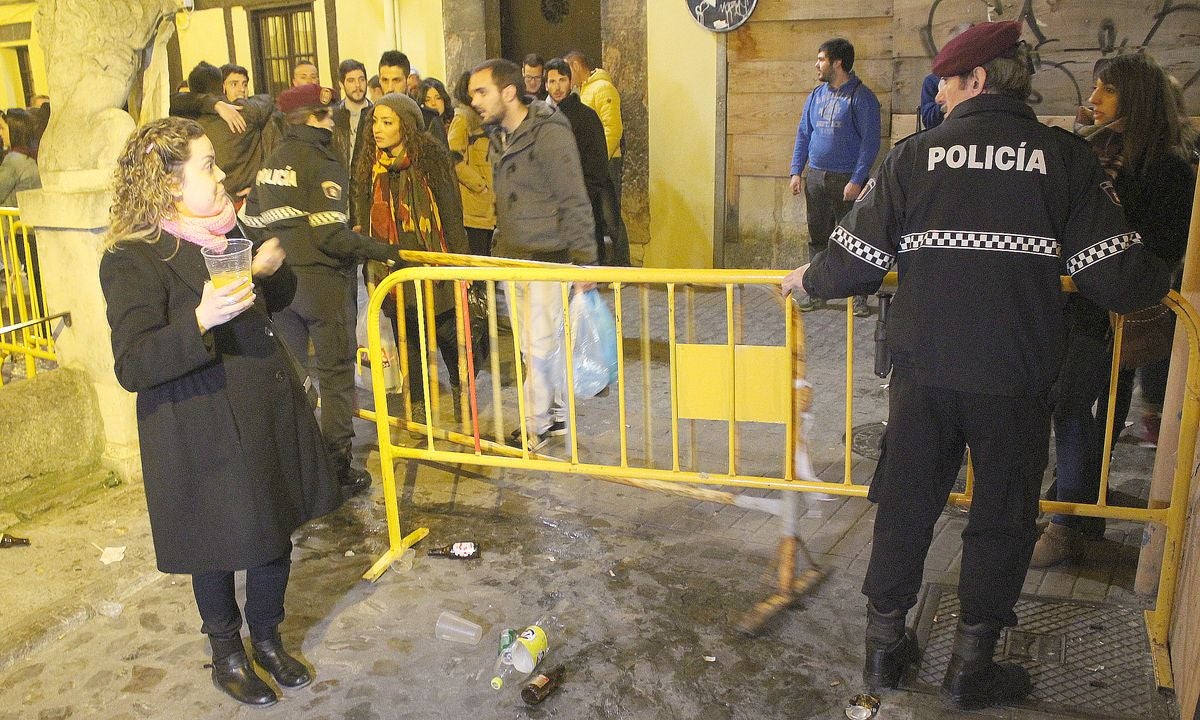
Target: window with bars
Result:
[282, 37]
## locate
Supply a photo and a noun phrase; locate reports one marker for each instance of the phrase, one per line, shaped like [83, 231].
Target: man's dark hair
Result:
[1009, 76]
[533, 60]
[505, 73]
[230, 69]
[205, 79]
[579, 55]
[348, 66]
[395, 58]
[373, 82]
[839, 49]
[558, 65]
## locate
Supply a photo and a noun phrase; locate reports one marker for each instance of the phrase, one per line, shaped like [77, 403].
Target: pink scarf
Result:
[207, 232]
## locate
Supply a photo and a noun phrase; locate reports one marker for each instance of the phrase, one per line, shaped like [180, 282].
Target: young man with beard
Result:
[542, 213]
[838, 139]
[350, 114]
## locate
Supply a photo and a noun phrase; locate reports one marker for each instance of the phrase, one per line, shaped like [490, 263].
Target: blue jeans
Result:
[1078, 436]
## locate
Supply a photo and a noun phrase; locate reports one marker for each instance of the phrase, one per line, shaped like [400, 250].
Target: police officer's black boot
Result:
[232, 674]
[353, 480]
[973, 680]
[891, 648]
[270, 655]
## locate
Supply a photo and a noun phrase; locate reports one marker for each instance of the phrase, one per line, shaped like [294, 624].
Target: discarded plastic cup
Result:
[532, 645]
[457, 629]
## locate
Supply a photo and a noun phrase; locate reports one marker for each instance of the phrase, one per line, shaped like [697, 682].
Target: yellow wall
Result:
[681, 71]
[422, 36]
[10, 71]
[202, 37]
[241, 44]
[362, 33]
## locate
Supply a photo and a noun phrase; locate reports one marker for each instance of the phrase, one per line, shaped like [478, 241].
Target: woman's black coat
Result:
[232, 457]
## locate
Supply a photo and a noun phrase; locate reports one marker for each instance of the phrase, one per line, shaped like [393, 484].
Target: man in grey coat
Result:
[542, 213]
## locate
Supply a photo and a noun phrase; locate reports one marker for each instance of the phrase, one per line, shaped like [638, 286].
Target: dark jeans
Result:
[824, 206]
[928, 430]
[324, 310]
[265, 588]
[479, 240]
[447, 342]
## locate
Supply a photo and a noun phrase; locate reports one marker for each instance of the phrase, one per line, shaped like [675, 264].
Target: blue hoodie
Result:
[839, 131]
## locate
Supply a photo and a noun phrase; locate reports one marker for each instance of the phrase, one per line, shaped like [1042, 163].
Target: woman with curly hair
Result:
[232, 458]
[405, 194]
[1145, 145]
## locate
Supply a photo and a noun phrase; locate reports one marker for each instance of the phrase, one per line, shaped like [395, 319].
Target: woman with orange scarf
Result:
[404, 193]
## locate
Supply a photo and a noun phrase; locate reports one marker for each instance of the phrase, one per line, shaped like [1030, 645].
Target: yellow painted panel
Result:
[423, 36]
[241, 45]
[10, 79]
[321, 30]
[682, 129]
[201, 37]
[363, 33]
[762, 387]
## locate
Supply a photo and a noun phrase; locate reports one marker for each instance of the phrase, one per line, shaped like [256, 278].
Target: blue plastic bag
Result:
[594, 346]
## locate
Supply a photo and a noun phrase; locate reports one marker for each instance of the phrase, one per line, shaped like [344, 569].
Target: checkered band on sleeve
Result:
[268, 217]
[973, 240]
[326, 218]
[1106, 248]
[863, 251]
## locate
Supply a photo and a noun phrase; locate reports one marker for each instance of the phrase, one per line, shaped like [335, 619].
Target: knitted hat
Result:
[976, 47]
[405, 108]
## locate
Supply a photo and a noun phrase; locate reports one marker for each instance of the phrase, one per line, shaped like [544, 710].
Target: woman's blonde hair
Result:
[148, 169]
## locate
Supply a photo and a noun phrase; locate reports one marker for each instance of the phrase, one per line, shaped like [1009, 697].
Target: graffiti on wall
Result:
[1045, 44]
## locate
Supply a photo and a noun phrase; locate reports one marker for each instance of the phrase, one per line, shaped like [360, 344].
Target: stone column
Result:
[93, 53]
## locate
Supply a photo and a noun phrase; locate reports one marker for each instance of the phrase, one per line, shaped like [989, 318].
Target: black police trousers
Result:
[928, 429]
[324, 310]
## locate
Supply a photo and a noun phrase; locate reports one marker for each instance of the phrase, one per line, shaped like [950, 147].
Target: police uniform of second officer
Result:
[980, 216]
[300, 195]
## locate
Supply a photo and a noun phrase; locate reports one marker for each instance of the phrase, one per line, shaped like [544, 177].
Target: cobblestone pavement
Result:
[640, 587]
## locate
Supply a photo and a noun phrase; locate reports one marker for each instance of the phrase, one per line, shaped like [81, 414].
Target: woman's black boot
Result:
[232, 674]
[287, 670]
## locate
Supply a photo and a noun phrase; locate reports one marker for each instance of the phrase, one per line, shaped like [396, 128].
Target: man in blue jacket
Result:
[838, 139]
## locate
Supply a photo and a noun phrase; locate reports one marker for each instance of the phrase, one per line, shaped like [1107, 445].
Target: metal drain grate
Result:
[1086, 659]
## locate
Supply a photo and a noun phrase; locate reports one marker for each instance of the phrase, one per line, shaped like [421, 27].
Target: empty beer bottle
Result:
[541, 685]
[467, 550]
[7, 541]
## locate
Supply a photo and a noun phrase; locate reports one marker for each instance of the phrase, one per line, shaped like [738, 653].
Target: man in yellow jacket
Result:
[597, 91]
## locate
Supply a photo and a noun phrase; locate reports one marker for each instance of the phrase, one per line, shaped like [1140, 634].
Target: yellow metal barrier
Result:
[731, 382]
[23, 329]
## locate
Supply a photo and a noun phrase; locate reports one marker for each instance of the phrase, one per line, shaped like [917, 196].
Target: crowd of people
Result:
[980, 214]
[329, 192]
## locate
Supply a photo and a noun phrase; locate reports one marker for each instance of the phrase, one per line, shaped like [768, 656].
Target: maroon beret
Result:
[304, 96]
[975, 47]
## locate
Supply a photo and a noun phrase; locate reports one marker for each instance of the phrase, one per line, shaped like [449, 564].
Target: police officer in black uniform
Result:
[981, 215]
[300, 195]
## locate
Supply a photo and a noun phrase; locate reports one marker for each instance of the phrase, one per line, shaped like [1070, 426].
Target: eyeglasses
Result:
[532, 77]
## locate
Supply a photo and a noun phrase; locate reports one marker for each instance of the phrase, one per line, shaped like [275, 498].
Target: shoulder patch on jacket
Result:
[866, 190]
[331, 190]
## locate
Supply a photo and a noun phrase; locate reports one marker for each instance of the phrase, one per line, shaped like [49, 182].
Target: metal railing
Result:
[723, 378]
[26, 329]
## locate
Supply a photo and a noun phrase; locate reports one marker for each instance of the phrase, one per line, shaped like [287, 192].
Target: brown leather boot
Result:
[1058, 544]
